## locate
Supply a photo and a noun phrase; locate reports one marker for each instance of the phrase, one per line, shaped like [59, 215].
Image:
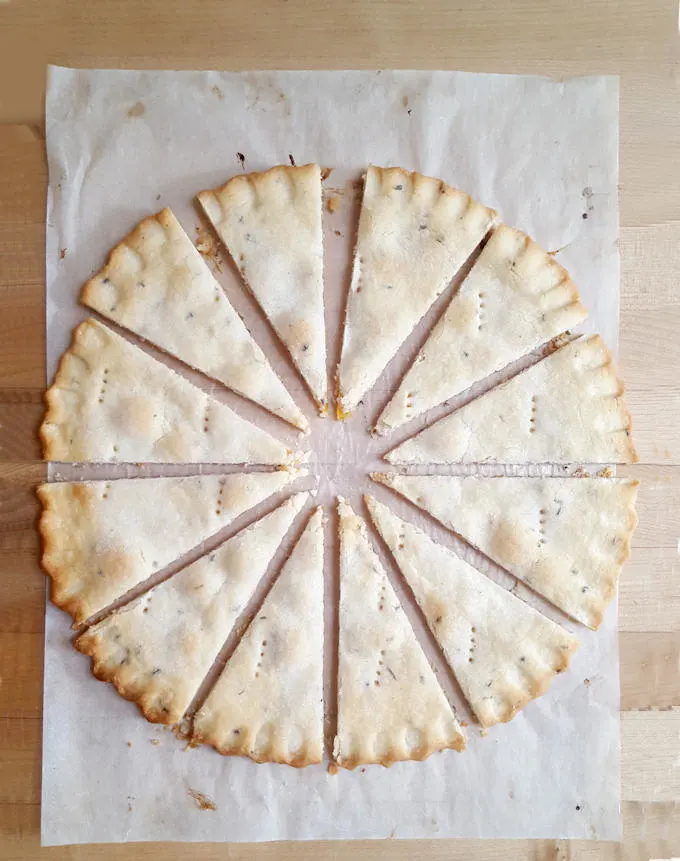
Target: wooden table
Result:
[635, 38]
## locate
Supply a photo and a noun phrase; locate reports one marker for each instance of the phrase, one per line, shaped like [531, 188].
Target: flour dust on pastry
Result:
[414, 235]
[515, 298]
[503, 652]
[268, 702]
[158, 649]
[101, 538]
[156, 284]
[566, 538]
[390, 705]
[568, 408]
[111, 402]
[271, 225]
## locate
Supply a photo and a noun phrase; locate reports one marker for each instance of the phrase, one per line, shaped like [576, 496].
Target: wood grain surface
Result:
[635, 38]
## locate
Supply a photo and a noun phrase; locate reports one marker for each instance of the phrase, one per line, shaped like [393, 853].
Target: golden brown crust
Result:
[539, 686]
[88, 645]
[49, 428]
[257, 178]
[50, 533]
[307, 755]
[391, 756]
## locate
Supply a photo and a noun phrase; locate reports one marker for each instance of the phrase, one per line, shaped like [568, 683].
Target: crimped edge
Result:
[299, 760]
[628, 452]
[626, 539]
[423, 179]
[530, 246]
[256, 177]
[163, 217]
[87, 644]
[351, 761]
[52, 396]
[539, 686]
[48, 527]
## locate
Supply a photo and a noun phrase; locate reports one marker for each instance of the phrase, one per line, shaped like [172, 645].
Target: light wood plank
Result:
[650, 261]
[650, 671]
[22, 609]
[649, 591]
[20, 761]
[650, 767]
[21, 657]
[22, 411]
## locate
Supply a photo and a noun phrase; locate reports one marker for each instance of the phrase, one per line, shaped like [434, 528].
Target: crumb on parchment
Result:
[202, 800]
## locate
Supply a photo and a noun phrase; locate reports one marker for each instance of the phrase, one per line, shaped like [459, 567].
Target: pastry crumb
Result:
[332, 768]
[333, 204]
[137, 110]
[155, 741]
[207, 246]
[202, 800]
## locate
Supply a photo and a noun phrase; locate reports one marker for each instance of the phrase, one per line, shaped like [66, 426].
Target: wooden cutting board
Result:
[650, 360]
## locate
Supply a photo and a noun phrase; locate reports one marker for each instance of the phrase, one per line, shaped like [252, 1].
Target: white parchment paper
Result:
[123, 144]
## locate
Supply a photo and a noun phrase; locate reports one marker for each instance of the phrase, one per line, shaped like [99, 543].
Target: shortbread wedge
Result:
[268, 702]
[157, 285]
[271, 225]
[566, 538]
[111, 402]
[568, 408]
[516, 298]
[390, 705]
[157, 650]
[503, 652]
[414, 235]
[101, 538]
